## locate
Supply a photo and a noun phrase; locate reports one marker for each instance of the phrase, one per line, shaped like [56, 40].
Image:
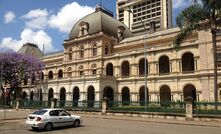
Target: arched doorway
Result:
[76, 95]
[109, 69]
[142, 95]
[189, 91]
[90, 96]
[62, 97]
[50, 96]
[165, 94]
[125, 96]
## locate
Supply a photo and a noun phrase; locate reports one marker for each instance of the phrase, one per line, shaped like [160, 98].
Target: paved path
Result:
[110, 126]
[22, 114]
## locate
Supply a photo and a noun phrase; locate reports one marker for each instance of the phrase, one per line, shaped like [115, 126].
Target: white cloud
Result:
[180, 4]
[68, 16]
[9, 17]
[28, 35]
[36, 19]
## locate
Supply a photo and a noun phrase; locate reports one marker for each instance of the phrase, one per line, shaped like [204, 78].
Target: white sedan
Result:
[49, 118]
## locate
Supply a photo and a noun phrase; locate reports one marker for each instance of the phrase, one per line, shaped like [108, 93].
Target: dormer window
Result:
[70, 54]
[83, 28]
[106, 50]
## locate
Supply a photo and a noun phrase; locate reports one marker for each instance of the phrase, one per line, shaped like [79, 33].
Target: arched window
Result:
[106, 50]
[69, 71]
[50, 75]
[125, 96]
[164, 65]
[94, 50]
[62, 97]
[70, 54]
[94, 69]
[142, 67]
[90, 96]
[125, 69]
[142, 95]
[109, 69]
[189, 91]
[165, 94]
[187, 62]
[82, 52]
[60, 73]
[81, 70]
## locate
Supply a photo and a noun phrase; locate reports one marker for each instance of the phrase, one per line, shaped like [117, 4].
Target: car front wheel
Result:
[76, 123]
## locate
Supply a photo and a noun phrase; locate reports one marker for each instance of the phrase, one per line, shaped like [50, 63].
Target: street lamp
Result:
[145, 60]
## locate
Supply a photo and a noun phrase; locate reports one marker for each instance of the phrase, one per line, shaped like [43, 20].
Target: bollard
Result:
[189, 108]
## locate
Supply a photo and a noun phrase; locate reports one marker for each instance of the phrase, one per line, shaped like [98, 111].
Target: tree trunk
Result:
[215, 67]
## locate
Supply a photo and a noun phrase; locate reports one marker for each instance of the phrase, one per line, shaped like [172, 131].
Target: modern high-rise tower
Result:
[156, 14]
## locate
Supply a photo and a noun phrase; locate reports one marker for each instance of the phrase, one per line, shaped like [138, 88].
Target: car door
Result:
[54, 118]
[65, 118]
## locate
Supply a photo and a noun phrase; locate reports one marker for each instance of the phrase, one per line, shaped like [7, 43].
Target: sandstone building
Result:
[103, 58]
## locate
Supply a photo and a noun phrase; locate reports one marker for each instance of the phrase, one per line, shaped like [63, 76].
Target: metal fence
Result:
[179, 107]
[164, 107]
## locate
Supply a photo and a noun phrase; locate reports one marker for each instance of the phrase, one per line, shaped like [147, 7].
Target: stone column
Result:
[189, 108]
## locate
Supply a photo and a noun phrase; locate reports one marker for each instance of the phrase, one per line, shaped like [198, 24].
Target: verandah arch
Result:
[165, 94]
[50, 96]
[90, 96]
[142, 95]
[125, 96]
[189, 91]
[62, 97]
[76, 96]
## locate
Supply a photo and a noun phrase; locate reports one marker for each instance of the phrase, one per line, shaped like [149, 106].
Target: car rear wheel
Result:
[76, 123]
[48, 126]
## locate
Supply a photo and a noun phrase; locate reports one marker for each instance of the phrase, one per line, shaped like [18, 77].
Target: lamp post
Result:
[145, 61]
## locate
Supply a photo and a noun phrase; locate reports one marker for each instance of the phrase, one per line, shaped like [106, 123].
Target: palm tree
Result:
[206, 12]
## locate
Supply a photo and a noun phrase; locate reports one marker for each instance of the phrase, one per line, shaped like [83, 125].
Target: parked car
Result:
[50, 118]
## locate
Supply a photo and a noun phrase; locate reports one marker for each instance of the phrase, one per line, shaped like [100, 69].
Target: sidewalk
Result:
[22, 114]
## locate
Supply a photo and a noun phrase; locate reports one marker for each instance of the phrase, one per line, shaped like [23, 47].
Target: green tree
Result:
[207, 12]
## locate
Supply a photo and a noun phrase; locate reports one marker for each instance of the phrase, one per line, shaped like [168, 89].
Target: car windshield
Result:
[40, 112]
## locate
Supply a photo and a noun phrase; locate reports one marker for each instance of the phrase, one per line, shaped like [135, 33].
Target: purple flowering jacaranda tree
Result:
[17, 68]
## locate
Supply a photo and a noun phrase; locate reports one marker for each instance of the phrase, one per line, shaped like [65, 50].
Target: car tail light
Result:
[38, 119]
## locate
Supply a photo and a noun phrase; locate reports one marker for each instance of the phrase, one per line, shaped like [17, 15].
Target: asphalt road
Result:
[110, 126]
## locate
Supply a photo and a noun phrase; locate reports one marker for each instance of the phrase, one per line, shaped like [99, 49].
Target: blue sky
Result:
[48, 22]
